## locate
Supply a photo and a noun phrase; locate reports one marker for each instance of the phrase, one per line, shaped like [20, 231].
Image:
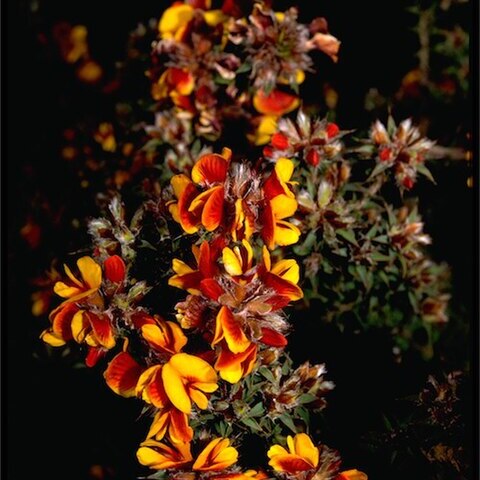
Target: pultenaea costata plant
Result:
[227, 239]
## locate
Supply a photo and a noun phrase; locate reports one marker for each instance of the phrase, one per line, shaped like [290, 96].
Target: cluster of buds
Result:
[312, 141]
[306, 384]
[401, 148]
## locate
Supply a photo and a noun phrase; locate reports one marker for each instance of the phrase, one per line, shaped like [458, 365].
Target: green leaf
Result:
[391, 126]
[256, 410]
[251, 423]
[286, 419]
[244, 67]
[421, 168]
[379, 168]
[379, 257]
[306, 398]
[348, 235]
[267, 374]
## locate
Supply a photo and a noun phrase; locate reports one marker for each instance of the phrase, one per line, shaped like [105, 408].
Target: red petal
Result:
[273, 338]
[282, 287]
[272, 186]
[210, 168]
[62, 320]
[268, 221]
[114, 269]
[275, 103]
[280, 141]
[211, 288]
[140, 319]
[332, 130]
[206, 261]
[102, 329]
[94, 355]
[213, 210]
[188, 219]
[313, 157]
[122, 374]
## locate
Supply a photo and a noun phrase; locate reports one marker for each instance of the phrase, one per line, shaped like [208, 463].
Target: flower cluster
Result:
[212, 69]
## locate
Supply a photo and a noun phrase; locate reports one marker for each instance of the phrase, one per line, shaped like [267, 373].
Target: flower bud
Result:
[114, 269]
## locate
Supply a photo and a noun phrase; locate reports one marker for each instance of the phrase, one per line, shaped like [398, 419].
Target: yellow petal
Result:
[288, 270]
[214, 17]
[199, 398]
[181, 268]
[175, 389]
[174, 18]
[193, 368]
[51, 339]
[306, 449]
[179, 183]
[91, 272]
[72, 277]
[80, 327]
[231, 262]
[65, 291]
[286, 233]
[284, 169]
[283, 206]
[266, 258]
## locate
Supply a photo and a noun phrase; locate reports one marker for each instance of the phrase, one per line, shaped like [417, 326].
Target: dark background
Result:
[60, 421]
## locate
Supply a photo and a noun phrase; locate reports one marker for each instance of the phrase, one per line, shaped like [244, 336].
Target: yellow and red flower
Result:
[161, 456]
[216, 456]
[188, 378]
[88, 286]
[206, 208]
[302, 455]
[234, 366]
[176, 83]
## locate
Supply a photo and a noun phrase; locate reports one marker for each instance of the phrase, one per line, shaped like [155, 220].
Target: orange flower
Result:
[276, 102]
[351, 475]
[94, 329]
[76, 290]
[282, 277]
[233, 367]
[206, 208]
[301, 456]
[174, 21]
[280, 203]
[229, 327]
[160, 456]
[175, 422]
[164, 336]
[187, 378]
[201, 280]
[176, 83]
[61, 330]
[217, 455]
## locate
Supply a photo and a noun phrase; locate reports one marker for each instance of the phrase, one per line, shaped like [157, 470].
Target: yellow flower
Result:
[301, 456]
[187, 378]
[174, 20]
[217, 455]
[91, 274]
